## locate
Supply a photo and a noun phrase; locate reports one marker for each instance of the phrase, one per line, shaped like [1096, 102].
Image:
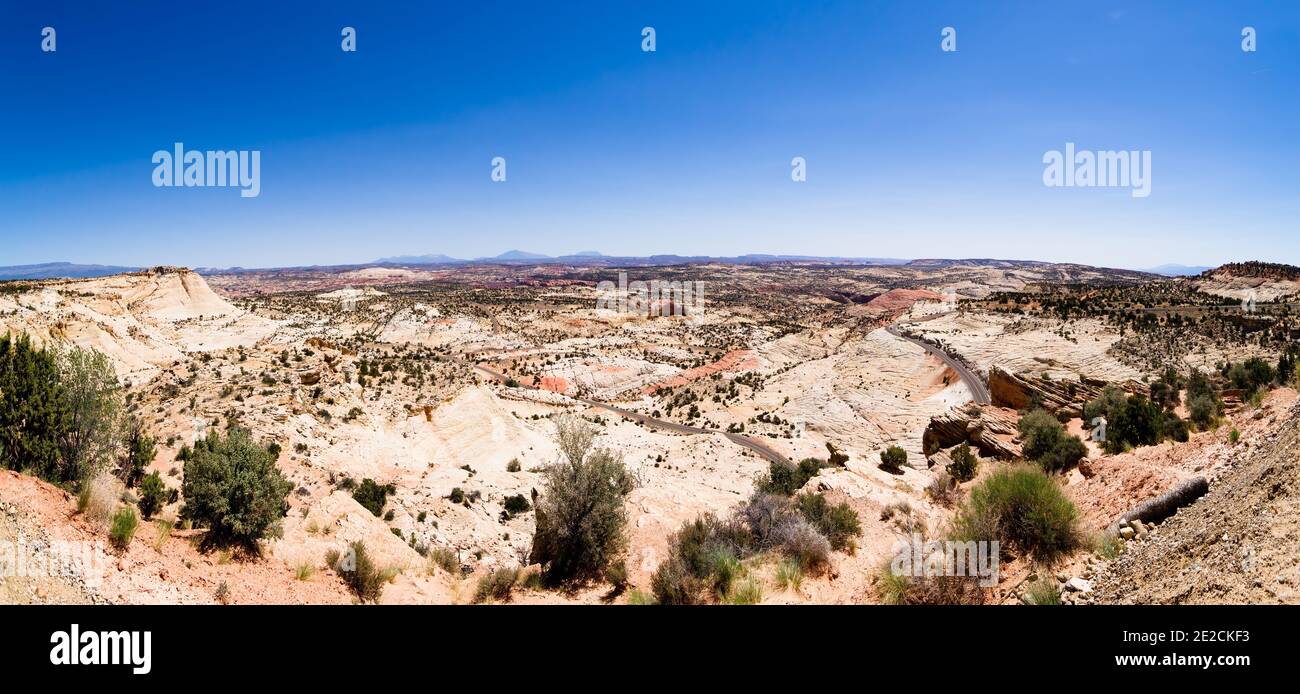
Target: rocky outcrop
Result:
[991, 430]
[1063, 398]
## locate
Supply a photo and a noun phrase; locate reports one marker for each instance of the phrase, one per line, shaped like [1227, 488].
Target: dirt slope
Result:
[1237, 544]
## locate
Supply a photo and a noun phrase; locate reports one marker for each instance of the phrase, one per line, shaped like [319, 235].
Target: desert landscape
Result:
[796, 425]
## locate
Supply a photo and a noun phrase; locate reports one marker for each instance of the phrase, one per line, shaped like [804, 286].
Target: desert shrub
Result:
[744, 592]
[943, 488]
[34, 411]
[1163, 391]
[139, 451]
[580, 513]
[164, 531]
[1251, 375]
[1136, 423]
[637, 597]
[1046, 442]
[373, 496]
[1202, 410]
[515, 505]
[304, 572]
[893, 459]
[457, 495]
[789, 574]
[233, 488]
[153, 494]
[964, 464]
[98, 497]
[786, 479]
[123, 527]
[497, 585]
[359, 572]
[899, 589]
[800, 541]
[1043, 592]
[1106, 404]
[444, 558]
[839, 523]
[513, 465]
[1024, 510]
[222, 593]
[96, 412]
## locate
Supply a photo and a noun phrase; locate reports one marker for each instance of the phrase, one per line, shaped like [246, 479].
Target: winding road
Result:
[979, 392]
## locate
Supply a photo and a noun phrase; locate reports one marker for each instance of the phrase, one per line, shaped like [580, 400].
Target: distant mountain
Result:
[589, 254]
[50, 270]
[518, 255]
[432, 259]
[1176, 270]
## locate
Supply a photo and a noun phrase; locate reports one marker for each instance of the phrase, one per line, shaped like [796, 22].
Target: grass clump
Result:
[444, 558]
[122, 529]
[358, 571]
[789, 575]
[497, 585]
[1043, 592]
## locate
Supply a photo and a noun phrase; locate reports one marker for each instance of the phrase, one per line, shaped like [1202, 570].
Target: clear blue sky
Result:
[912, 152]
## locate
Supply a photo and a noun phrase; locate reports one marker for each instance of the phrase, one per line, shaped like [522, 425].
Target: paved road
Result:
[739, 439]
[977, 388]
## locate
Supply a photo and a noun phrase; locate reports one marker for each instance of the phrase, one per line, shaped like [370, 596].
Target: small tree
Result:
[893, 459]
[964, 464]
[153, 494]
[233, 488]
[139, 452]
[95, 424]
[33, 410]
[580, 512]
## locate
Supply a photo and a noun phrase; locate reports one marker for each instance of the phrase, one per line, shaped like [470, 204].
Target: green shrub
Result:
[457, 495]
[1043, 592]
[745, 592]
[513, 465]
[359, 572]
[444, 558]
[839, 523]
[786, 479]
[893, 459]
[497, 585]
[153, 494]
[123, 527]
[964, 464]
[515, 505]
[1136, 423]
[373, 496]
[896, 589]
[580, 513]
[233, 488]
[1024, 510]
[789, 574]
[1045, 441]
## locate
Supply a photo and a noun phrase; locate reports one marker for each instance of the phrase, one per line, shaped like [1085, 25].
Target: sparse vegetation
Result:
[233, 488]
[123, 527]
[1024, 510]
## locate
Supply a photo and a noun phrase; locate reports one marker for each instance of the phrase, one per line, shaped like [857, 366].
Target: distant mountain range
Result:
[1175, 270]
[47, 270]
[596, 257]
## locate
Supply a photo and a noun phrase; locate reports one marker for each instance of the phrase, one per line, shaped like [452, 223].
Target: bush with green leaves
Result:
[139, 451]
[581, 516]
[358, 570]
[1022, 508]
[373, 496]
[786, 479]
[233, 488]
[123, 527]
[1138, 422]
[34, 412]
[964, 464]
[893, 459]
[839, 523]
[515, 505]
[497, 585]
[153, 494]
[1045, 441]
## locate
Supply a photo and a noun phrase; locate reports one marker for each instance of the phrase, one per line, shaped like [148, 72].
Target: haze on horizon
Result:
[912, 152]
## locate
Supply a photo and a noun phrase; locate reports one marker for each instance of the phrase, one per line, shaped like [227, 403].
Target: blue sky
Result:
[911, 151]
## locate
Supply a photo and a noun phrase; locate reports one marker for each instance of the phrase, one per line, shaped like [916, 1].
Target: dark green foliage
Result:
[786, 479]
[457, 495]
[1024, 510]
[839, 523]
[580, 514]
[964, 464]
[1137, 423]
[140, 451]
[1250, 375]
[893, 459]
[373, 496]
[1105, 405]
[1045, 441]
[358, 570]
[153, 494]
[233, 488]
[515, 505]
[1164, 390]
[34, 414]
